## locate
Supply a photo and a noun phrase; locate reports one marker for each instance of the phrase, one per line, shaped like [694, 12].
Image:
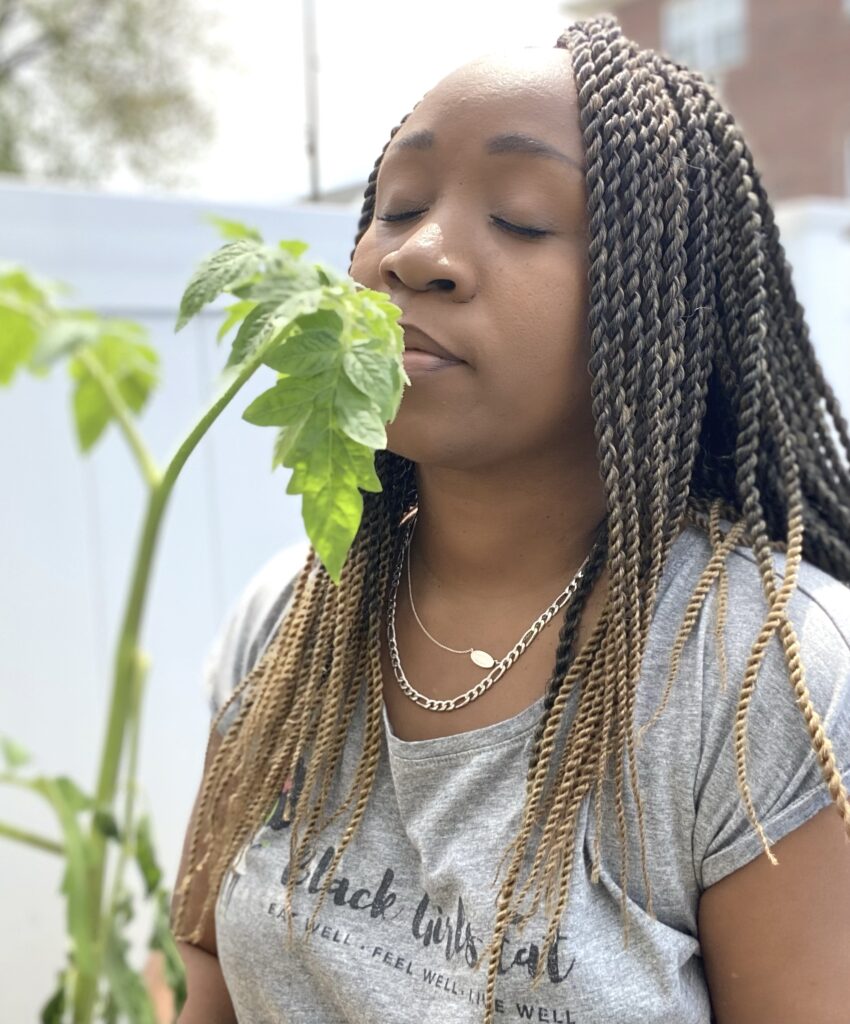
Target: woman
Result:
[615, 415]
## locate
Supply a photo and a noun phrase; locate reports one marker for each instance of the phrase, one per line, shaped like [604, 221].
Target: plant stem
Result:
[126, 655]
[128, 831]
[123, 416]
[31, 839]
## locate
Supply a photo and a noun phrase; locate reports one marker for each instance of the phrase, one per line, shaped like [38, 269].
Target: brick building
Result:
[782, 66]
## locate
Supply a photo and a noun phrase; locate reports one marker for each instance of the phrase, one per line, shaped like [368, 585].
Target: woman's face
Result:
[480, 236]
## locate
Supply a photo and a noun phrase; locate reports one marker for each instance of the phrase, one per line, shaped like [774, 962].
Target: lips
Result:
[415, 339]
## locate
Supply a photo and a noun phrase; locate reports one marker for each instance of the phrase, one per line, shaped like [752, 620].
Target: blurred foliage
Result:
[88, 87]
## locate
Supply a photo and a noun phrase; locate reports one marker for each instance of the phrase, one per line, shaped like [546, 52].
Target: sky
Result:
[376, 59]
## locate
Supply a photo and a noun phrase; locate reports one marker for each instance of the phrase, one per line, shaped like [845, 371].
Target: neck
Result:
[505, 532]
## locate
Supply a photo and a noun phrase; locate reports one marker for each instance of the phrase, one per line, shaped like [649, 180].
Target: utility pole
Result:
[311, 92]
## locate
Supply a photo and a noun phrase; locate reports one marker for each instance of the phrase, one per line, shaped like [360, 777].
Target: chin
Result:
[430, 447]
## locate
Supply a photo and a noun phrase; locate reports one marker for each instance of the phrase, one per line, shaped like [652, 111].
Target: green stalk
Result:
[31, 839]
[127, 831]
[123, 417]
[127, 652]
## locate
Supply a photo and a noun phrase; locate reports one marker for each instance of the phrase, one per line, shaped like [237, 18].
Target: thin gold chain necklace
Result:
[499, 668]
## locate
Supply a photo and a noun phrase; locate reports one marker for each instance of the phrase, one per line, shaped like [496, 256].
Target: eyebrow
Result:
[507, 142]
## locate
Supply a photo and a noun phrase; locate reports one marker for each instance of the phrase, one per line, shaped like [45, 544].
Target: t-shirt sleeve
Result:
[248, 627]
[785, 779]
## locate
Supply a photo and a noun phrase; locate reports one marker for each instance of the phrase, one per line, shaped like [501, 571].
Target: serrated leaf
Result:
[312, 347]
[282, 320]
[279, 284]
[65, 333]
[133, 367]
[290, 400]
[368, 372]
[66, 800]
[331, 518]
[14, 755]
[232, 228]
[353, 465]
[18, 335]
[363, 465]
[238, 311]
[126, 986]
[358, 416]
[289, 438]
[229, 266]
[294, 247]
[255, 327]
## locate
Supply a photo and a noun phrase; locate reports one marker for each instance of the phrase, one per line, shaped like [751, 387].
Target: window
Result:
[707, 35]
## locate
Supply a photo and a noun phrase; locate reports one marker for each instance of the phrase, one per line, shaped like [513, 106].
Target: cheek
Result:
[365, 262]
[547, 337]
[541, 383]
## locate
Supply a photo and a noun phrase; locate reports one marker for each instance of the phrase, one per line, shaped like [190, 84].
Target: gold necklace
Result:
[499, 668]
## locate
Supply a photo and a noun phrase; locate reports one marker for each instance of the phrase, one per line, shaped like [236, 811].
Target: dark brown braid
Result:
[710, 408]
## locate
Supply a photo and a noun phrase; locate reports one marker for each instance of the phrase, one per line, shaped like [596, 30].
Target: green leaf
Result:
[281, 321]
[331, 518]
[145, 856]
[233, 228]
[53, 1010]
[229, 266]
[362, 460]
[65, 333]
[277, 286]
[163, 940]
[66, 799]
[105, 823]
[18, 335]
[14, 754]
[290, 400]
[254, 329]
[294, 247]
[126, 986]
[368, 371]
[133, 367]
[25, 310]
[289, 438]
[71, 795]
[238, 311]
[357, 415]
[312, 347]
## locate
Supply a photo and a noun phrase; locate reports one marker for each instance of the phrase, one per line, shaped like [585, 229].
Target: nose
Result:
[425, 262]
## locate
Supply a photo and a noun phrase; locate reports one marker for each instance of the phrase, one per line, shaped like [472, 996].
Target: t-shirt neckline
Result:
[484, 736]
[520, 723]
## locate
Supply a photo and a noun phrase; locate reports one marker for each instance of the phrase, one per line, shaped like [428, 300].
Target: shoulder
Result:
[250, 623]
[819, 607]
[777, 744]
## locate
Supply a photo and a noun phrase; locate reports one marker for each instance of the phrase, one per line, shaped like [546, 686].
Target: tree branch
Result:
[47, 40]
[6, 12]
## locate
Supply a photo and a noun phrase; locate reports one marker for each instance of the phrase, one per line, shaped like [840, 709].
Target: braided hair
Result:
[709, 407]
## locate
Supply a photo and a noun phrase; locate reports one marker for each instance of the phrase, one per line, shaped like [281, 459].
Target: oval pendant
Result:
[482, 659]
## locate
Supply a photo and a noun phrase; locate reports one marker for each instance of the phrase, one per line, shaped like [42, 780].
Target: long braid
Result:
[710, 408]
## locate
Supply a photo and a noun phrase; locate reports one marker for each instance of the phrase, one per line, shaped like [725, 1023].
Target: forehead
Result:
[530, 92]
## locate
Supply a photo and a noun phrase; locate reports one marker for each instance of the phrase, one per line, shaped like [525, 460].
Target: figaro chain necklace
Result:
[499, 668]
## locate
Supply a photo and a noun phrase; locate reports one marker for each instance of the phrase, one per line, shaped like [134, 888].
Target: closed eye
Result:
[517, 229]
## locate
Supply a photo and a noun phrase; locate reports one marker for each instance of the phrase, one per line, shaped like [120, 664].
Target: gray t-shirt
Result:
[411, 906]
